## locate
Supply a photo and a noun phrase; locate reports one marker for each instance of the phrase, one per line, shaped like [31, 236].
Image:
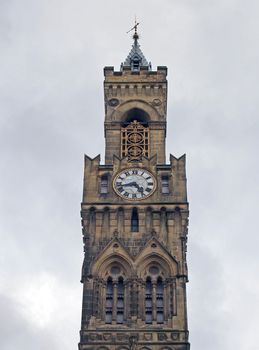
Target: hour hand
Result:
[130, 184]
[135, 184]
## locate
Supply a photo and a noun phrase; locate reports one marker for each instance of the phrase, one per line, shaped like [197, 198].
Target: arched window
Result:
[109, 301]
[120, 301]
[160, 300]
[148, 301]
[134, 220]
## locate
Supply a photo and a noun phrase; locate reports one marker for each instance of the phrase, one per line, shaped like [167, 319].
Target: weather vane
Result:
[135, 27]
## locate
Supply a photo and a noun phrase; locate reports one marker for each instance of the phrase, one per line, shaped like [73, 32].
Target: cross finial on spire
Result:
[135, 36]
[136, 59]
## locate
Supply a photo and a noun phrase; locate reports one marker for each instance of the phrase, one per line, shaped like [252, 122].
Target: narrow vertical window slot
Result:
[148, 301]
[120, 301]
[109, 301]
[134, 220]
[160, 300]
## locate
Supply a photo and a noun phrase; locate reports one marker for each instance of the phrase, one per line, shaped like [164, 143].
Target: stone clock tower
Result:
[135, 220]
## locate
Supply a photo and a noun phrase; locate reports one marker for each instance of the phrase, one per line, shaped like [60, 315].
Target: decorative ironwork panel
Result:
[135, 141]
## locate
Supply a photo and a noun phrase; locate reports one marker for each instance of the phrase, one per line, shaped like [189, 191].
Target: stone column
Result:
[95, 297]
[163, 227]
[154, 301]
[134, 300]
[106, 223]
[103, 301]
[165, 301]
[114, 301]
[143, 300]
[120, 221]
[149, 223]
[92, 224]
[125, 301]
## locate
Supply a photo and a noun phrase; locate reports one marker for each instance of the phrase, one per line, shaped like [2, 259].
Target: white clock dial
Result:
[134, 184]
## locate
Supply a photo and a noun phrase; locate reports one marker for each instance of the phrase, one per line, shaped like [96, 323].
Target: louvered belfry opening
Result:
[109, 301]
[148, 301]
[160, 300]
[120, 301]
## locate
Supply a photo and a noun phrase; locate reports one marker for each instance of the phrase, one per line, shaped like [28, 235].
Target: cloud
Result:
[16, 330]
[52, 112]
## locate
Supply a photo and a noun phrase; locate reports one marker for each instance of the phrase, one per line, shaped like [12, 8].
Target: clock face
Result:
[134, 184]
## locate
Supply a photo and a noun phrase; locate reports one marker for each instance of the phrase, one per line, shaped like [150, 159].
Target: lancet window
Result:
[114, 309]
[134, 220]
[160, 301]
[109, 301]
[148, 301]
[120, 301]
[154, 301]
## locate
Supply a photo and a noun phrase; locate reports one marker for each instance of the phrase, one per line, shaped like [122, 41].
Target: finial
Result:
[135, 35]
[153, 233]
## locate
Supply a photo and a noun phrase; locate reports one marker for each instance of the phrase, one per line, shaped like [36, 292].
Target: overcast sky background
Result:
[52, 112]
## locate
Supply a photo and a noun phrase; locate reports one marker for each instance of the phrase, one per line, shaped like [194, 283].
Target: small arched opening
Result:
[136, 114]
[134, 220]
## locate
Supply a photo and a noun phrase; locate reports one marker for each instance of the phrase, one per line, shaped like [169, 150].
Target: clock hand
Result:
[140, 188]
[134, 184]
[129, 184]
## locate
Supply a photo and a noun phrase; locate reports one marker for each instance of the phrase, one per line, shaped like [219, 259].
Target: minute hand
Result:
[135, 184]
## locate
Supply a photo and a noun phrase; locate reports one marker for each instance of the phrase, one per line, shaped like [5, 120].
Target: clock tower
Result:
[135, 220]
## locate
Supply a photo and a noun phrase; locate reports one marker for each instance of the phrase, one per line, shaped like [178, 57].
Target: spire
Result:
[136, 59]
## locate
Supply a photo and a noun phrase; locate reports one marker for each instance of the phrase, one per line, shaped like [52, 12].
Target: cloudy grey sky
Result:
[51, 113]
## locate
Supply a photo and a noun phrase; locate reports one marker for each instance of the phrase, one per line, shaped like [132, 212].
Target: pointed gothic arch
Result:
[124, 266]
[166, 267]
[120, 114]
